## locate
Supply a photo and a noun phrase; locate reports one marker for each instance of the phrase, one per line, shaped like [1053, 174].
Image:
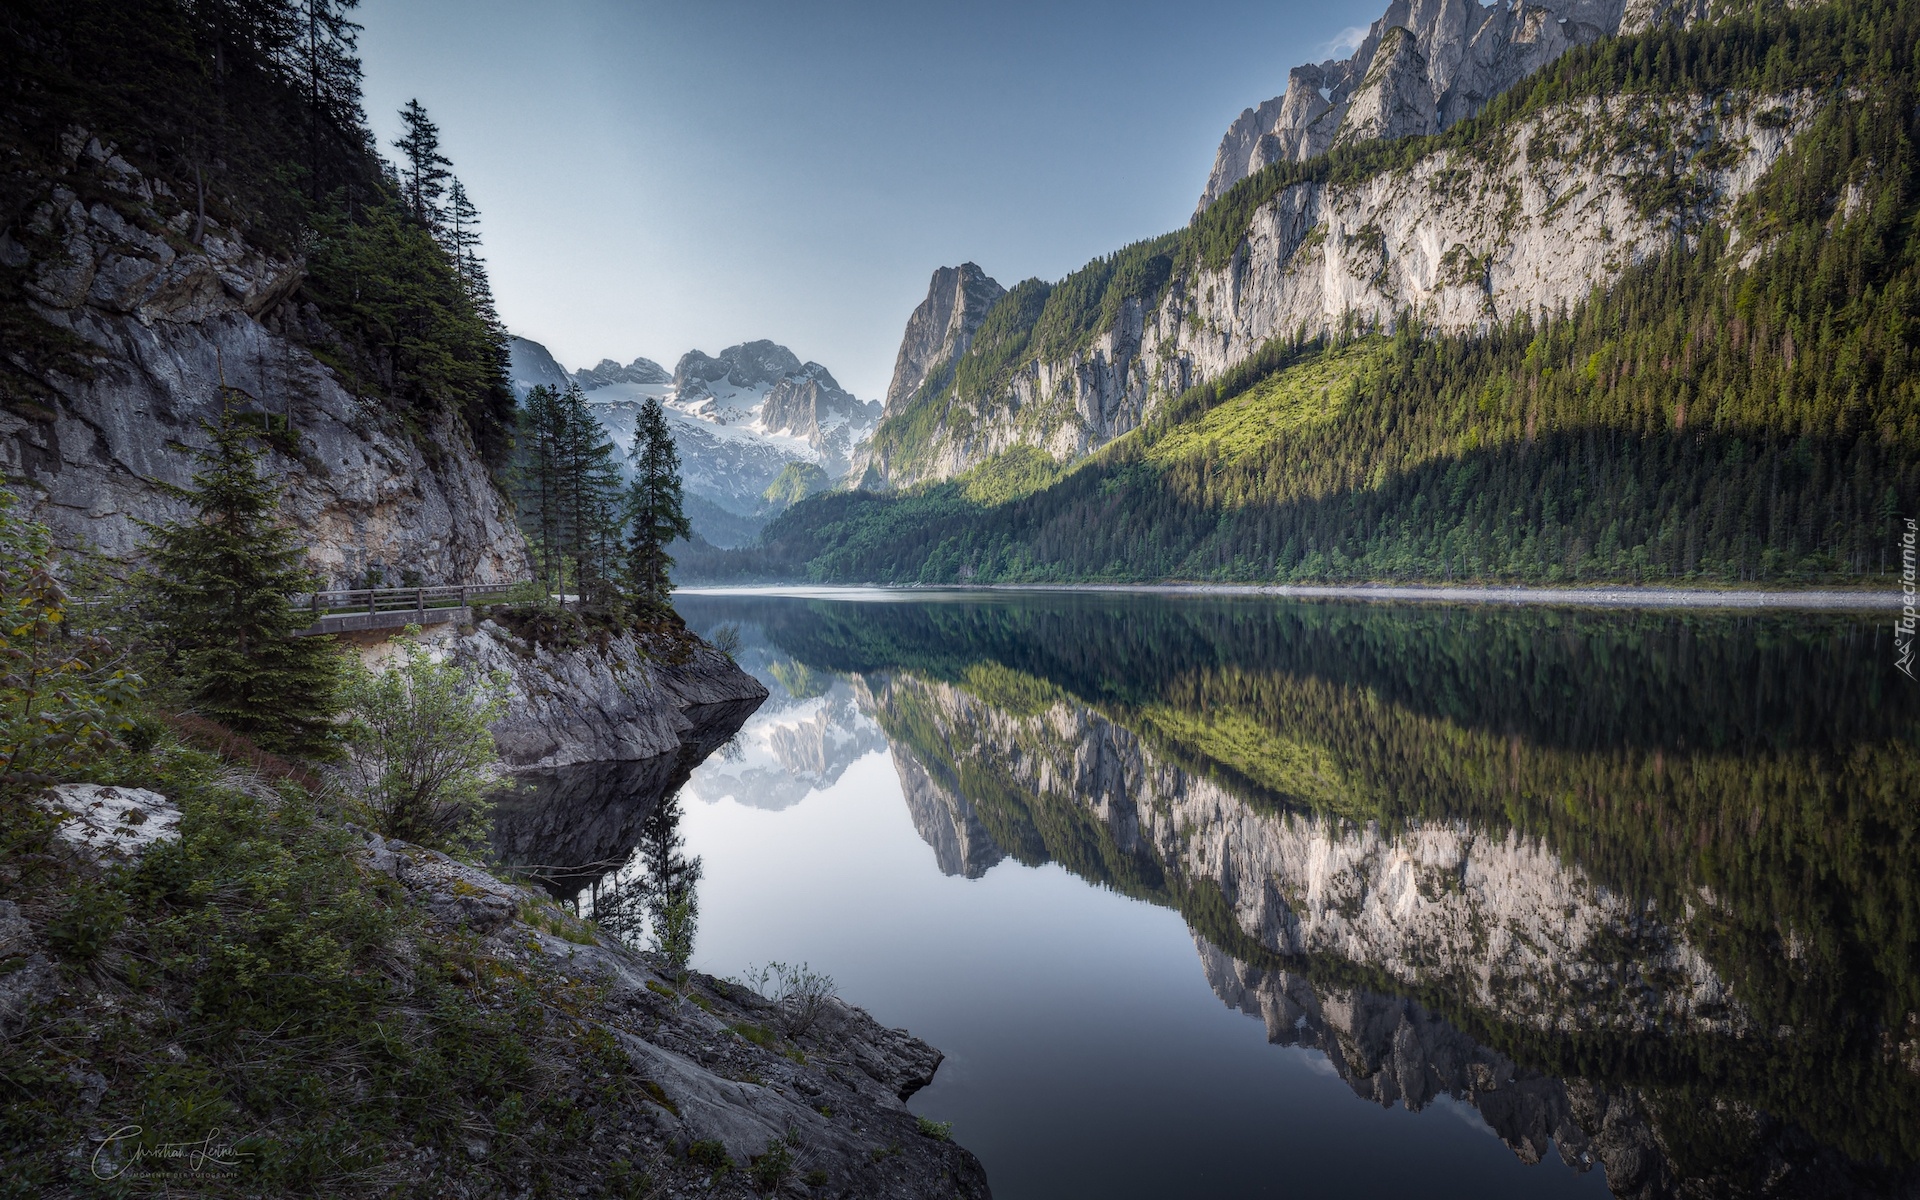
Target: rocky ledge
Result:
[669, 1086]
[581, 693]
[736, 1099]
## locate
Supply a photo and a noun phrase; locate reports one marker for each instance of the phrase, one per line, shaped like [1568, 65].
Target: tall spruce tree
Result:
[424, 173]
[536, 482]
[655, 514]
[590, 486]
[217, 593]
[568, 487]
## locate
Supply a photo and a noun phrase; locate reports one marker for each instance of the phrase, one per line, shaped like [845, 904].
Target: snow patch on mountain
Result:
[738, 419]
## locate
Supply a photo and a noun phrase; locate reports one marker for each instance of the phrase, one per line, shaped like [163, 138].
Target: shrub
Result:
[422, 752]
[800, 991]
[939, 1131]
[61, 698]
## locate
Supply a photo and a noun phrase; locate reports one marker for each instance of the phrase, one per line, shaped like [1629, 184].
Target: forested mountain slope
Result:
[1669, 340]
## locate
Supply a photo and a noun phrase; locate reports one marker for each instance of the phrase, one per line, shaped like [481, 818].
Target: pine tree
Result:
[568, 488]
[590, 497]
[328, 73]
[654, 512]
[424, 174]
[461, 234]
[218, 591]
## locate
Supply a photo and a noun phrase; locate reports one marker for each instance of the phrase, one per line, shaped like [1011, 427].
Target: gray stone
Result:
[942, 327]
[165, 328]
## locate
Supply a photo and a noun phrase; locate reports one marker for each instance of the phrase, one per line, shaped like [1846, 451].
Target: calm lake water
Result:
[1250, 897]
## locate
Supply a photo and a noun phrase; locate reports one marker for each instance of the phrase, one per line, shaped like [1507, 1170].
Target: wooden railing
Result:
[391, 608]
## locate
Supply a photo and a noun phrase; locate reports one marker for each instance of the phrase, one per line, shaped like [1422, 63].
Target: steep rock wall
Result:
[621, 699]
[164, 321]
[1462, 239]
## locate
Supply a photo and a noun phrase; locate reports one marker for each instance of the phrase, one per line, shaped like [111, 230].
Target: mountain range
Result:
[1522, 292]
[744, 419]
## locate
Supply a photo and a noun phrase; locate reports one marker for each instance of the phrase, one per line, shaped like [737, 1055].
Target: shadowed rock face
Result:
[570, 826]
[942, 327]
[631, 698]
[165, 326]
[945, 820]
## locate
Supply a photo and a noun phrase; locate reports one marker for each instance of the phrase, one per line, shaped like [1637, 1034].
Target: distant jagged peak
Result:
[747, 365]
[1455, 56]
[942, 327]
[530, 365]
[609, 372]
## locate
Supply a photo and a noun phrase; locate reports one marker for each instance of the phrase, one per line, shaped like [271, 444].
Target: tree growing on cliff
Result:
[424, 170]
[217, 595]
[655, 514]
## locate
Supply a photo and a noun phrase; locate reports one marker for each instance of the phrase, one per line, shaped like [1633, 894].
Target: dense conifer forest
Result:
[1740, 408]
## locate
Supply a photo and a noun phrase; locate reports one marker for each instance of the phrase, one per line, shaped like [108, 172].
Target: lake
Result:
[1280, 898]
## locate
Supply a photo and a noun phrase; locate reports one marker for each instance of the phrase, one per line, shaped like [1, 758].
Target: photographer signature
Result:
[212, 1150]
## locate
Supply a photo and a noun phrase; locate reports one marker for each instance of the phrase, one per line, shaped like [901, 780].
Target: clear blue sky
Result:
[660, 177]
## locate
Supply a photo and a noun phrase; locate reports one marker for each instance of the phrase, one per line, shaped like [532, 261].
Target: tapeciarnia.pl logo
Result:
[1903, 629]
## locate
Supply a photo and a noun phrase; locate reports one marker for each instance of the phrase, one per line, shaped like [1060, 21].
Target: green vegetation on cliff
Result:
[249, 116]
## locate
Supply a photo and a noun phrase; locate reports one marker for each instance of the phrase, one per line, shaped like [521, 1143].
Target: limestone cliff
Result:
[942, 327]
[158, 321]
[1561, 202]
[616, 697]
[1443, 60]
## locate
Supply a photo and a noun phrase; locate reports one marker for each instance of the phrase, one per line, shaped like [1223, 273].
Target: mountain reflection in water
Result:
[1640, 888]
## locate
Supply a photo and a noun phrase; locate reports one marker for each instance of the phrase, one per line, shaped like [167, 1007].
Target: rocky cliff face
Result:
[1389, 1049]
[1424, 65]
[162, 322]
[1499, 921]
[1461, 238]
[532, 366]
[616, 698]
[942, 327]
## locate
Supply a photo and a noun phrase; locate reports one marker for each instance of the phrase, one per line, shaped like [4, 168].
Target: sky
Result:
[655, 178]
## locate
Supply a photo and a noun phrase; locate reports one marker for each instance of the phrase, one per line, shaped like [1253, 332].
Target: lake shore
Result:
[1829, 599]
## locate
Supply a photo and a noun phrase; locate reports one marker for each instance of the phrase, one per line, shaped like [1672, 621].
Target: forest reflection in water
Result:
[1637, 886]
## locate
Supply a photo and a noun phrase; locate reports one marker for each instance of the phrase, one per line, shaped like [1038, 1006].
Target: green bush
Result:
[423, 751]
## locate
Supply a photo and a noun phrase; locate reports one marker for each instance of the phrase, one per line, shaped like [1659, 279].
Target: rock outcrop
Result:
[617, 697]
[1392, 100]
[942, 327]
[714, 1053]
[163, 321]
